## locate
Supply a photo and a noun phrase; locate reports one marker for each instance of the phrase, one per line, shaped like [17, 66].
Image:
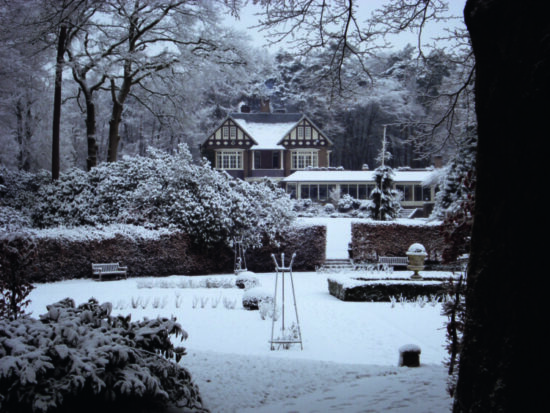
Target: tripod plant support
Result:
[288, 334]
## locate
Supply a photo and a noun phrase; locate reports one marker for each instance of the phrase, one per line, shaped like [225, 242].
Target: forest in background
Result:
[168, 72]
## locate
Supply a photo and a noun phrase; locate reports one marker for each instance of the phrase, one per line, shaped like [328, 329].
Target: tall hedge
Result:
[371, 240]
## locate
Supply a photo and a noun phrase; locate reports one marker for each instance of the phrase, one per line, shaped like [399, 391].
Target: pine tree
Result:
[384, 205]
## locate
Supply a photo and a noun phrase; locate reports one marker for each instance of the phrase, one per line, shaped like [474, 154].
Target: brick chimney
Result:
[438, 161]
[264, 106]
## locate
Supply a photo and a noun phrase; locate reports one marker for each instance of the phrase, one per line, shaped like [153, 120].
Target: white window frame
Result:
[302, 159]
[229, 160]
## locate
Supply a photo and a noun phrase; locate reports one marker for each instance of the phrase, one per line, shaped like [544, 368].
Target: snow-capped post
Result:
[409, 355]
[289, 334]
[417, 255]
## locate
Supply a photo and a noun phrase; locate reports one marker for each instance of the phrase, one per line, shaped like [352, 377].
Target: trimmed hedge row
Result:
[371, 240]
[381, 291]
[59, 258]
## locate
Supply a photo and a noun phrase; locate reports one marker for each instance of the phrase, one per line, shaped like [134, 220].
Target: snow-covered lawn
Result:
[350, 355]
[349, 360]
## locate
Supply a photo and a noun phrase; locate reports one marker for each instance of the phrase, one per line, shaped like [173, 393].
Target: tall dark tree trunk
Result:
[91, 161]
[502, 351]
[61, 44]
[114, 136]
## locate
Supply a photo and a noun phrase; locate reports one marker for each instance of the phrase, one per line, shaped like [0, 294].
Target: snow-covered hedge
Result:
[159, 190]
[371, 240]
[83, 359]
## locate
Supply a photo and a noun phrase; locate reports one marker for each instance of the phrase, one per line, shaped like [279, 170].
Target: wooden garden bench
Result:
[113, 268]
[393, 261]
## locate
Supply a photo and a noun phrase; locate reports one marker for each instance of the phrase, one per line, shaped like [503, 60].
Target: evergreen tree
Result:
[384, 205]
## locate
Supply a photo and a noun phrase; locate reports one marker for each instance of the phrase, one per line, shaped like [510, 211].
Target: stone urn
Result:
[417, 256]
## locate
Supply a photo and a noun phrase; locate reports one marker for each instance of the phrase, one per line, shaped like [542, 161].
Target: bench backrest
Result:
[113, 266]
[394, 260]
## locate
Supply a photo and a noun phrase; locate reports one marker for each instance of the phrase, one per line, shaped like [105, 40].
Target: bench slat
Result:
[112, 268]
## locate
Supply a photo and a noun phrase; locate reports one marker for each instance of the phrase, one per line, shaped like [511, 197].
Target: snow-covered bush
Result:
[254, 296]
[329, 209]
[16, 251]
[11, 218]
[247, 280]
[162, 190]
[83, 359]
[18, 190]
[347, 203]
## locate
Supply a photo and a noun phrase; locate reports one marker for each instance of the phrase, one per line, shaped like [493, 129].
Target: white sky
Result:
[249, 19]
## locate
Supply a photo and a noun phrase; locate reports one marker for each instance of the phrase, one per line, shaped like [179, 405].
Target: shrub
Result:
[247, 280]
[16, 252]
[253, 297]
[83, 359]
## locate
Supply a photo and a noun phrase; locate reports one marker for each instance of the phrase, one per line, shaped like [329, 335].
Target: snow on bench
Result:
[393, 261]
[112, 268]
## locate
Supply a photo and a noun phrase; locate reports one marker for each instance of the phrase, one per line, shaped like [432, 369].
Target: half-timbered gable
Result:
[229, 135]
[305, 134]
[257, 145]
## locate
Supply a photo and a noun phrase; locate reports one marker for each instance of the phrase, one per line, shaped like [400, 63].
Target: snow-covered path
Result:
[338, 235]
[262, 384]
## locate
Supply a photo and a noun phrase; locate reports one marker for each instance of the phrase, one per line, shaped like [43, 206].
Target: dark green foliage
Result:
[83, 359]
[16, 252]
[455, 201]
[454, 308]
[385, 205]
[382, 291]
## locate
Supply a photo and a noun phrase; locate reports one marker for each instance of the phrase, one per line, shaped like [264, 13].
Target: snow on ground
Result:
[349, 360]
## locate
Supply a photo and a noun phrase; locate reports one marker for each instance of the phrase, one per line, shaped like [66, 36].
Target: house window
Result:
[229, 160]
[406, 190]
[422, 193]
[291, 190]
[304, 131]
[275, 158]
[257, 160]
[303, 159]
[229, 132]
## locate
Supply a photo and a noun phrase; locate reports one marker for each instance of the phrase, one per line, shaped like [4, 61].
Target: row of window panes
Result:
[304, 131]
[321, 192]
[303, 159]
[415, 192]
[357, 191]
[229, 160]
[229, 131]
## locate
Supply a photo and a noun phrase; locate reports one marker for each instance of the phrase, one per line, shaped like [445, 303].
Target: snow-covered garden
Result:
[349, 360]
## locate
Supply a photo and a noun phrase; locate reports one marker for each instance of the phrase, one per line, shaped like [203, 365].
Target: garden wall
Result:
[371, 240]
[62, 255]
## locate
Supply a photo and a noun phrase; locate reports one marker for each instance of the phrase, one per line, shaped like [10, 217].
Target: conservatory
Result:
[318, 185]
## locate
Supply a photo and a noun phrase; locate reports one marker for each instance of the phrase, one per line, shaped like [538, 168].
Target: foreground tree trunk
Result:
[61, 44]
[511, 43]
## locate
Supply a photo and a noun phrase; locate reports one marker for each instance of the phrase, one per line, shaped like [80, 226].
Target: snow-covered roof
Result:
[355, 176]
[267, 129]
